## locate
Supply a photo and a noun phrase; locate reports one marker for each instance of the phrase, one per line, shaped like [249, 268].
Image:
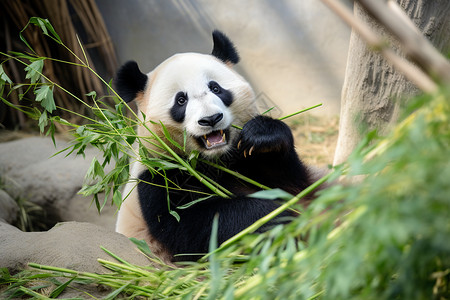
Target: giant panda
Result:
[198, 97]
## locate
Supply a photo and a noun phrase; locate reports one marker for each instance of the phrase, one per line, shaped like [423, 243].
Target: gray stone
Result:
[42, 179]
[71, 245]
[30, 170]
[8, 207]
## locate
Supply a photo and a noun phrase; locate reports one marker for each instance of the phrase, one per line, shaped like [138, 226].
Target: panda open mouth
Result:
[214, 139]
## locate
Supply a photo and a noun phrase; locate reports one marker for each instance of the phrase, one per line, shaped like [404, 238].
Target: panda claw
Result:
[251, 150]
[239, 144]
[245, 153]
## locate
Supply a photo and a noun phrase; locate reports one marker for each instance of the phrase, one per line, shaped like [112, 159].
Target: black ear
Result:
[223, 48]
[130, 81]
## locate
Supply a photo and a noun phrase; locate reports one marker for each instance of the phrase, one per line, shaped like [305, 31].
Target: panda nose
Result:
[211, 120]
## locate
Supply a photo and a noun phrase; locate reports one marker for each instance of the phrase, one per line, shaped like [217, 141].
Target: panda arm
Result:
[266, 153]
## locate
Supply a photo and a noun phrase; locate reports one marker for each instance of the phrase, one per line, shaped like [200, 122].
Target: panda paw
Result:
[264, 135]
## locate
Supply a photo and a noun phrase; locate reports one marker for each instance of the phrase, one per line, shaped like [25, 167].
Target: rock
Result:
[42, 178]
[71, 245]
[8, 207]
[29, 170]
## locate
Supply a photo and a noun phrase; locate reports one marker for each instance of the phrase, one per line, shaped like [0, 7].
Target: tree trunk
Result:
[373, 92]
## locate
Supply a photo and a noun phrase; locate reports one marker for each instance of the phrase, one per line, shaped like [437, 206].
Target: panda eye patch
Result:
[225, 95]
[214, 87]
[181, 98]
[178, 110]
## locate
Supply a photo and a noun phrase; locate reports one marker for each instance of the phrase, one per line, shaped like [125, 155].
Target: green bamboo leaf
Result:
[214, 266]
[193, 158]
[44, 95]
[113, 295]
[175, 214]
[30, 292]
[92, 94]
[169, 138]
[43, 121]
[88, 190]
[56, 292]
[3, 77]
[162, 164]
[51, 131]
[142, 245]
[272, 194]
[22, 55]
[34, 70]
[95, 169]
[187, 205]
[117, 198]
[46, 27]
[41, 92]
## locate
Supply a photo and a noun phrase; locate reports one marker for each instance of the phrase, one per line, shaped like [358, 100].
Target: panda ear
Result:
[130, 81]
[224, 49]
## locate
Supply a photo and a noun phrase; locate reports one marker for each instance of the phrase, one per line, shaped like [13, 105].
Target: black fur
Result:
[272, 161]
[225, 95]
[223, 48]
[178, 110]
[130, 81]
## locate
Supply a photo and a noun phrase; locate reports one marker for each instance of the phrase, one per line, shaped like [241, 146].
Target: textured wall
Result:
[293, 52]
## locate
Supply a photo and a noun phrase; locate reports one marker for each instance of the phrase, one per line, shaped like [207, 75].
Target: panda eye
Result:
[181, 98]
[214, 87]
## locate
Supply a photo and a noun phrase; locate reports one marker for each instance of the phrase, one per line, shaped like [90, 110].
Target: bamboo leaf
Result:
[216, 273]
[44, 95]
[46, 27]
[272, 194]
[187, 205]
[142, 245]
[113, 295]
[34, 70]
[175, 214]
[3, 76]
[56, 292]
[162, 164]
[43, 121]
[169, 138]
[117, 198]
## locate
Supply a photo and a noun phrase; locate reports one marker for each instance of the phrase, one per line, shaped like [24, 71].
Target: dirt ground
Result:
[315, 138]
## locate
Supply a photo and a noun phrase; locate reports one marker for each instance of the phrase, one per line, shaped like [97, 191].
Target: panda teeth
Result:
[208, 143]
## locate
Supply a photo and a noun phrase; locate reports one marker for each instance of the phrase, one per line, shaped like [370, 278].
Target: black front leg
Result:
[266, 153]
[264, 135]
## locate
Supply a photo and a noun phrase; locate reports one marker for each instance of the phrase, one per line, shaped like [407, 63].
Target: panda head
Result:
[194, 93]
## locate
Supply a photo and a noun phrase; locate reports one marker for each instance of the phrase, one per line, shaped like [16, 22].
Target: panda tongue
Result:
[214, 138]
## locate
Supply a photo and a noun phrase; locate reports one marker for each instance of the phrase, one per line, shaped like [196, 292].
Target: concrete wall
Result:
[292, 51]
